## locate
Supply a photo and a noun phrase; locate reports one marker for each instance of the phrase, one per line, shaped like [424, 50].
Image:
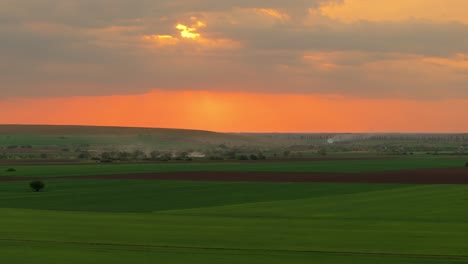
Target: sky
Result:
[239, 65]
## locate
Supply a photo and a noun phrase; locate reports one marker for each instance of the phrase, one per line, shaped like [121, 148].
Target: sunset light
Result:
[187, 32]
[227, 132]
[284, 54]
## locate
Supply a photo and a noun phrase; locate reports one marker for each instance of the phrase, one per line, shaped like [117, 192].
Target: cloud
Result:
[397, 10]
[85, 47]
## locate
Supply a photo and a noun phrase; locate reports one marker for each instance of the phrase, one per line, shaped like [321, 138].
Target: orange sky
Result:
[237, 112]
[263, 66]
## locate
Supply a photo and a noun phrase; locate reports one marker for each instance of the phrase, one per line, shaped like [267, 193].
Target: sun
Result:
[190, 31]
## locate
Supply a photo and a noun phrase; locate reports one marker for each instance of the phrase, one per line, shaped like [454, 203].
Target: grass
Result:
[110, 221]
[149, 196]
[124, 137]
[350, 166]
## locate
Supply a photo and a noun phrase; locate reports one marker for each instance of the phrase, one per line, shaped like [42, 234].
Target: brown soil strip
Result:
[421, 176]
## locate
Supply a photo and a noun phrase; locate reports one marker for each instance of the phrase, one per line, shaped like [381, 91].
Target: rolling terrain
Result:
[104, 221]
[338, 208]
[118, 136]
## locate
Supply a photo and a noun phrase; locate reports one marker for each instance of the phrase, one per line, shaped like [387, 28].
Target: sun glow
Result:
[161, 40]
[228, 111]
[188, 36]
[190, 32]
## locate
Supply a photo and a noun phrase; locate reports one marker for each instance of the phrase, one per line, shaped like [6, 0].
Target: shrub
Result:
[253, 157]
[243, 157]
[466, 164]
[11, 170]
[84, 155]
[165, 157]
[37, 185]
[322, 152]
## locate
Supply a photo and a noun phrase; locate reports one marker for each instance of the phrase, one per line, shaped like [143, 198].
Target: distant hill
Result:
[162, 138]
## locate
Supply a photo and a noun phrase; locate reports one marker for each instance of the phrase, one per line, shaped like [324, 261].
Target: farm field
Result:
[235, 132]
[30, 144]
[303, 207]
[337, 166]
[131, 221]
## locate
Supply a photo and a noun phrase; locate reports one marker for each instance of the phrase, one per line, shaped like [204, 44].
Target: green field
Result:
[148, 221]
[311, 166]
[162, 138]
[110, 221]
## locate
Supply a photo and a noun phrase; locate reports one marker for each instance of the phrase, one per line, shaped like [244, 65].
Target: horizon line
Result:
[232, 132]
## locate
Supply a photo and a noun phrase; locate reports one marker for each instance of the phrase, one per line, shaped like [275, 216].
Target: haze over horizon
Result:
[237, 66]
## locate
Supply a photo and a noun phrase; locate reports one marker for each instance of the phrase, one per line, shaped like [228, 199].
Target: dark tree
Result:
[253, 157]
[155, 155]
[106, 156]
[466, 164]
[124, 156]
[165, 156]
[84, 155]
[11, 170]
[138, 155]
[243, 157]
[322, 152]
[37, 185]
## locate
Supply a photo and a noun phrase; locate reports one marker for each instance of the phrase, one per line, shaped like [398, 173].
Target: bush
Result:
[253, 157]
[37, 185]
[84, 155]
[11, 170]
[243, 157]
[466, 164]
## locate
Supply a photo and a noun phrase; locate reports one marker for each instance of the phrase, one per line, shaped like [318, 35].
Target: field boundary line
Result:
[355, 253]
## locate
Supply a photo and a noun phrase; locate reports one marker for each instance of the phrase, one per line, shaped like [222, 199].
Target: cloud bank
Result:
[393, 49]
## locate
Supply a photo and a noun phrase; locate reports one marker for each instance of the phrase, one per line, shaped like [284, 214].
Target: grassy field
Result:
[311, 166]
[135, 221]
[109, 221]
[161, 138]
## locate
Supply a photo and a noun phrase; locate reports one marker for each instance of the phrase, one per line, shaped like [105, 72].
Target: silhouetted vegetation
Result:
[242, 157]
[84, 155]
[37, 185]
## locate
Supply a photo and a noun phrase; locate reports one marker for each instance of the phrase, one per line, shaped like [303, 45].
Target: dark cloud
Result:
[88, 47]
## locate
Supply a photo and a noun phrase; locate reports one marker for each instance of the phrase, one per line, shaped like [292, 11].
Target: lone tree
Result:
[37, 185]
[253, 157]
